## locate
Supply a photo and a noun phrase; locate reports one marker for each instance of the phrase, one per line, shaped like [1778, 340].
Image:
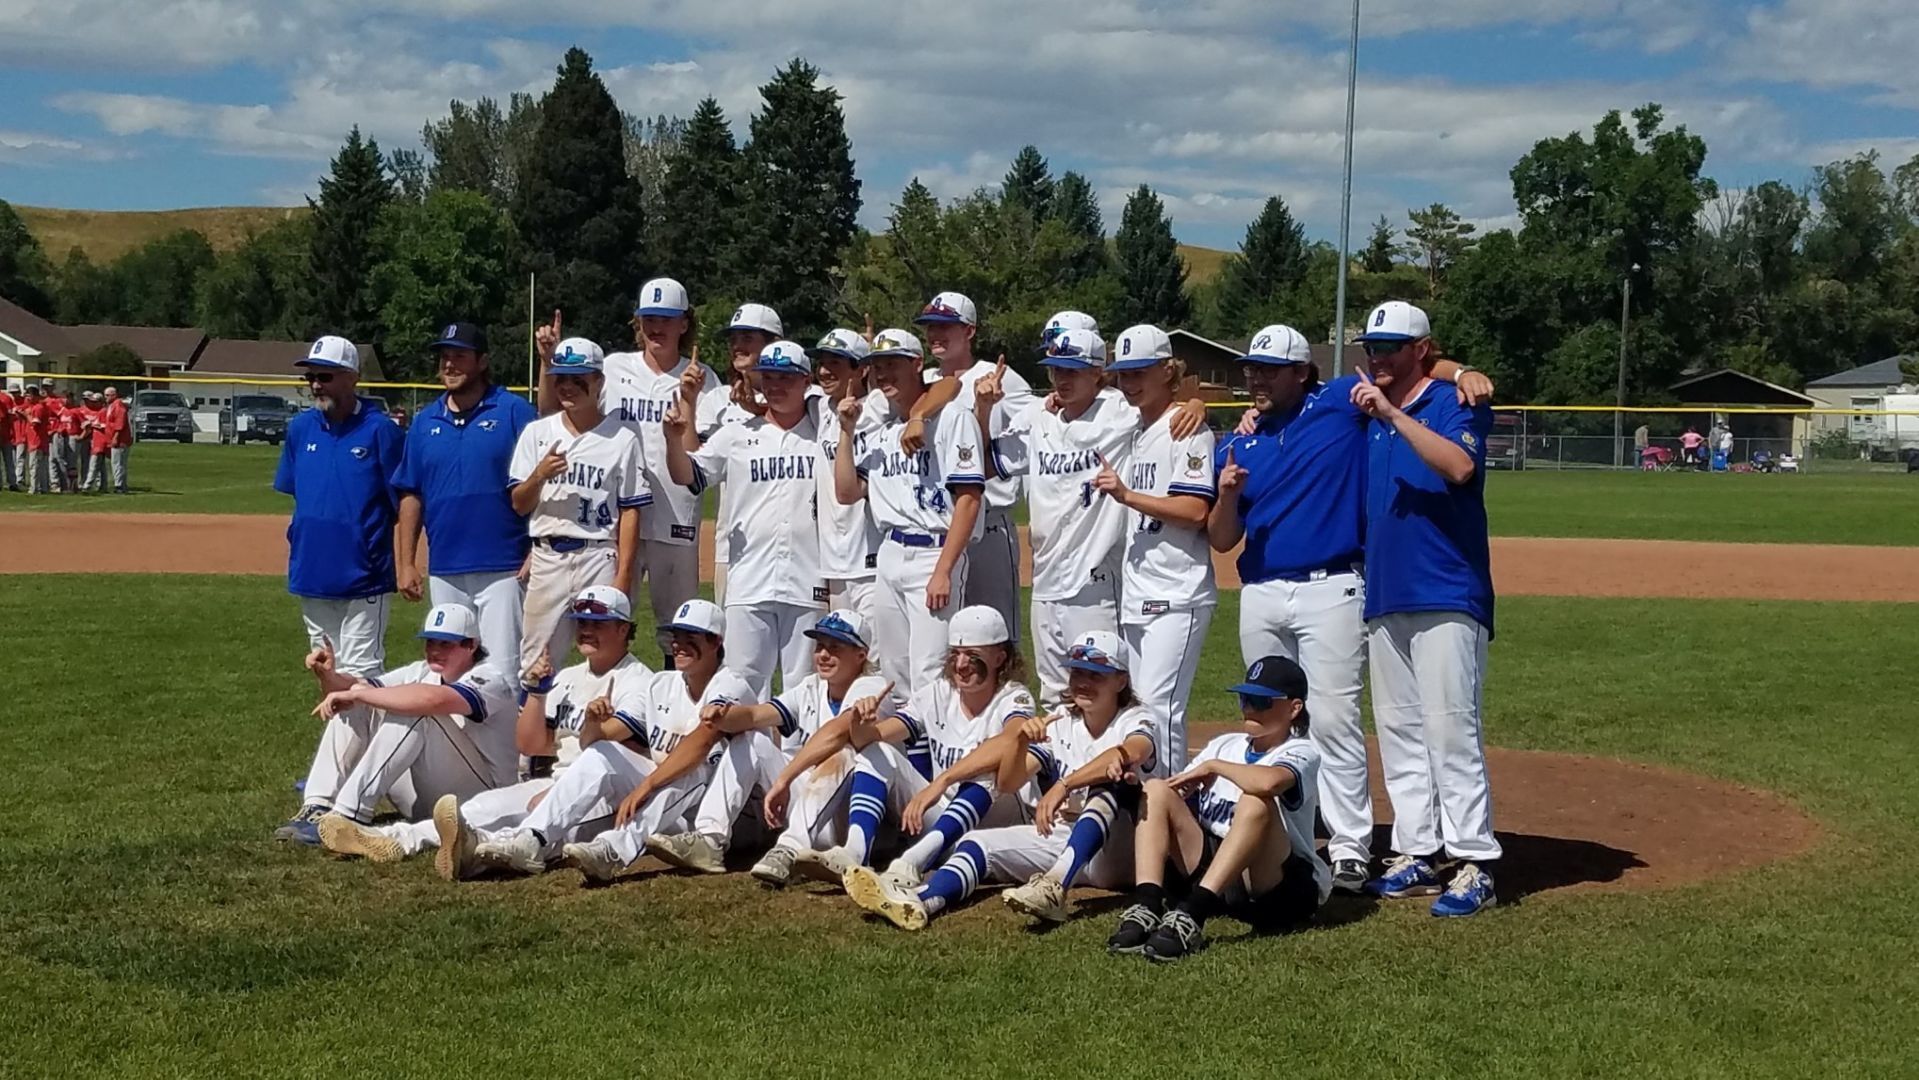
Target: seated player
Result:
[795, 749]
[547, 733]
[644, 766]
[1089, 756]
[435, 727]
[1234, 832]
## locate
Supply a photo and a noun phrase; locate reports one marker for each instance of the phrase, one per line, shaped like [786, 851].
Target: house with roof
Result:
[1864, 387]
[1727, 388]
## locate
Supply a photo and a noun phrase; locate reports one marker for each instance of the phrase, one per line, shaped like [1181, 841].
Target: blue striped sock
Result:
[864, 807]
[1089, 835]
[956, 880]
[961, 816]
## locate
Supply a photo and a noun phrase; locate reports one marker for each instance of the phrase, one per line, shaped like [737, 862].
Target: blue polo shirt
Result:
[457, 464]
[340, 543]
[1303, 503]
[1426, 547]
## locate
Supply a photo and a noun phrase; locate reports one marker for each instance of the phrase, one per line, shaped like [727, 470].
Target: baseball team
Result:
[49, 442]
[857, 685]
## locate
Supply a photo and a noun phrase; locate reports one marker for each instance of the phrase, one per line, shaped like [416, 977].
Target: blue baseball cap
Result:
[1274, 677]
[451, 622]
[1075, 348]
[786, 358]
[843, 625]
[1099, 652]
[1140, 346]
[461, 335]
[662, 296]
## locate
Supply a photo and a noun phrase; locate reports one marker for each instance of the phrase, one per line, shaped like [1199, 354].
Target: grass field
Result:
[148, 927]
[105, 235]
[1827, 508]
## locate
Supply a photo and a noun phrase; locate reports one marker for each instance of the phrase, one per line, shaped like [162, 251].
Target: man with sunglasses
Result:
[1429, 610]
[337, 463]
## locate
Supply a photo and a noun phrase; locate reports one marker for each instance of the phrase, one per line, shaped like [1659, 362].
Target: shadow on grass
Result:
[1535, 864]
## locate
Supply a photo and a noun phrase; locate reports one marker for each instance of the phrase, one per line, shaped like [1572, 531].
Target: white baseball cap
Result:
[1278, 344]
[1396, 320]
[578, 356]
[662, 296]
[975, 626]
[844, 343]
[332, 352]
[756, 317]
[1099, 651]
[699, 617]
[897, 343]
[949, 307]
[1068, 320]
[1075, 348]
[844, 625]
[451, 622]
[784, 357]
[602, 603]
[1140, 346]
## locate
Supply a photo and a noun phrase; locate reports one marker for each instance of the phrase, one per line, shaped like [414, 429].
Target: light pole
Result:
[1346, 196]
[1619, 395]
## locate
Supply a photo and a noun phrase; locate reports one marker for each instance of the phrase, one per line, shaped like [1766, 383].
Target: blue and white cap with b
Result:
[602, 603]
[1068, 320]
[844, 343]
[1075, 348]
[756, 317]
[1396, 320]
[892, 342]
[332, 352]
[1139, 347]
[577, 356]
[451, 622]
[1099, 651]
[699, 617]
[1278, 344]
[844, 625]
[949, 307]
[784, 357]
[662, 296]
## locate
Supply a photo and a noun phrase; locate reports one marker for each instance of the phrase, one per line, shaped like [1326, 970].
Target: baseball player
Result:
[576, 475]
[1234, 832]
[8, 439]
[643, 765]
[925, 505]
[849, 543]
[34, 438]
[1088, 757]
[59, 441]
[439, 726]
[770, 465]
[99, 443]
[1292, 488]
[337, 462]
[752, 328]
[1167, 573]
[120, 431]
[451, 481]
[795, 749]
[1429, 610]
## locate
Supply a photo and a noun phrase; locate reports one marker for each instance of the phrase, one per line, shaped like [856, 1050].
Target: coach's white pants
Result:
[1014, 853]
[414, 760]
[493, 810]
[761, 637]
[992, 574]
[1321, 625]
[856, 594]
[1428, 673]
[1057, 624]
[672, 573]
[357, 629]
[500, 602]
[554, 579]
[1162, 654]
[909, 642]
[582, 802]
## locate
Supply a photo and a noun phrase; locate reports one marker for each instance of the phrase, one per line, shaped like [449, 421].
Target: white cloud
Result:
[39, 148]
[1835, 44]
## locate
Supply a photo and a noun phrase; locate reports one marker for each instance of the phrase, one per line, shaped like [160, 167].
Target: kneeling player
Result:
[1236, 826]
[796, 750]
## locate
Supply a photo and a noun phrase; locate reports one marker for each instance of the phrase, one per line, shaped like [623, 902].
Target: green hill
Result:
[1202, 264]
[106, 235]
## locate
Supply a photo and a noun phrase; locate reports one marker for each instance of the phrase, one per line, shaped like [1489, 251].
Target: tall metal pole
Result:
[1619, 395]
[1346, 197]
[532, 328]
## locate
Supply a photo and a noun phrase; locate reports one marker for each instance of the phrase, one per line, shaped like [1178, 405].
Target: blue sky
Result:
[1215, 103]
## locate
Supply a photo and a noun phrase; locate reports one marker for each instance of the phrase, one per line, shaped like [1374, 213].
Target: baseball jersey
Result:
[121, 430]
[1076, 533]
[1016, 394]
[913, 492]
[638, 397]
[849, 542]
[1166, 567]
[807, 707]
[340, 541]
[1299, 805]
[1303, 502]
[771, 535]
[936, 718]
[1426, 546]
[455, 462]
[576, 687]
[660, 713]
[1069, 746]
[493, 705]
[603, 476]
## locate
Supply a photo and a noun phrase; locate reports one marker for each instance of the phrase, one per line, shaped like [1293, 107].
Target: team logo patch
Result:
[1258, 666]
[1195, 463]
[359, 453]
[685, 532]
[965, 455]
[1155, 607]
[489, 425]
[1467, 438]
[435, 431]
[820, 594]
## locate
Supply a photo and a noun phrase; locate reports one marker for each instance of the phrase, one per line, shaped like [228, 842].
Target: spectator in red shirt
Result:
[8, 477]
[35, 416]
[98, 442]
[60, 441]
[120, 438]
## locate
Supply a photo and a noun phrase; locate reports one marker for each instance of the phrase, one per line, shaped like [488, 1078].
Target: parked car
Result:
[255, 418]
[162, 414]
[1502, 446]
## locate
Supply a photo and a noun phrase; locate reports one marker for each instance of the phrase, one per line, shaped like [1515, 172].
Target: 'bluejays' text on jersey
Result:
[784, 467]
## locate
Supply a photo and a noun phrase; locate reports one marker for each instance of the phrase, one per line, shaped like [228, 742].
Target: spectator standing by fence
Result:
[119, 438]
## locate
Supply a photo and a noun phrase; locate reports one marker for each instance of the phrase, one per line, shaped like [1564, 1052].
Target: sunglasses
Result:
[1257, 702]
[591, 607]
[837, 625]
[938, 307]
[321, 377]
[1090, 654]
[1384, 348]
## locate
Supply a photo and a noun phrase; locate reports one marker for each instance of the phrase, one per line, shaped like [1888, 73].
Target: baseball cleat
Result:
[885, 898]
[1404, 876]
[456, 860]
[1178, 936]
[595, 859]
[904, 875]
[517, 851]
[1349, 876]
[830, 866]
[1042, 898]
[341, 835]
[1470, 893]
[775, 868]
[1136, 925]
[688, 851]
[303, 827]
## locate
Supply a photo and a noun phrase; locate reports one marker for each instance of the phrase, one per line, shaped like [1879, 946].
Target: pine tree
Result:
[697, 232]
[1378, 256]
[802, 199]
[1271, 261]
[578, 211]
[918, 240]
[1029, 184]
[1076, 206]
[24, 269]
[1152, 275]
[1437, 239]
[340, 262]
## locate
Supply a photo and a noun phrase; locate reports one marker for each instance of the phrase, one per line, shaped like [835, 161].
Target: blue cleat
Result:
[303, 827]
[1470, 892]
[1406, 875]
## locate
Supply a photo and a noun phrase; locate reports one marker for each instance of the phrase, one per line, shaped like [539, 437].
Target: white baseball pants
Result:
[851, 595]
[357, 629]
[672, 573]
[499, 600]
[119, 456]
[493, 810]
[992, 575]
[1057, 624]
[37, 471]
[761, 637]
[554, 580]
[1162, 654]
[583, 800]
[750, 761]
[910, 641]
[1429, 669]
[890, 763]
[1321, 626]
[1014, 853]
[412, 760]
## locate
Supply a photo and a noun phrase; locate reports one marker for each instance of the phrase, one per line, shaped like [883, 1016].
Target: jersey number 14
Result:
[596, 513]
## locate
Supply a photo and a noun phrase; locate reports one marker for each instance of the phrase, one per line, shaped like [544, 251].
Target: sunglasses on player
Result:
[1258, 702]
[1384, 348]
[941, 308]
[321, 377]
[1091, 655]
[591, 607]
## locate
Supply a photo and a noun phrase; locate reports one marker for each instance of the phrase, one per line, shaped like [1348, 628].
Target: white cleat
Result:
[517, 851]
[455, 861]
[882, 897]
[775, 868]
[596, 860]
[1042, 898]
[688, 851]
[904, 875]
[342, 835]
[830, 866]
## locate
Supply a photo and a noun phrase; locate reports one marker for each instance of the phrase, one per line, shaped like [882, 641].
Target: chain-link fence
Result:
[1734, 440]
